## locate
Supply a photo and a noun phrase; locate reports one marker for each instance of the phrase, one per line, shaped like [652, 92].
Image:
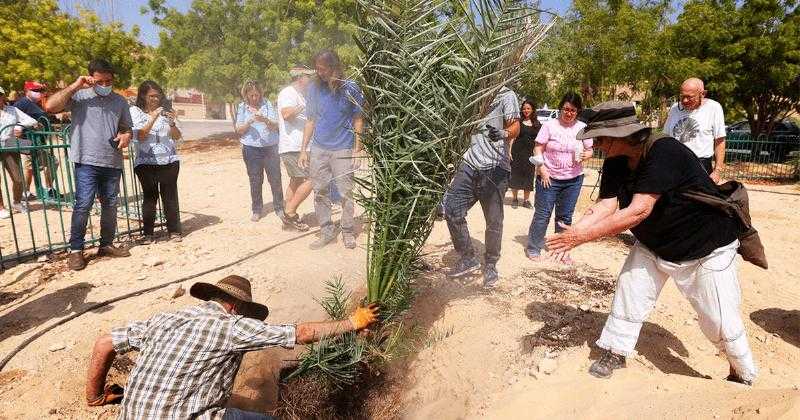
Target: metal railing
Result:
[42, 226]
[775, 157]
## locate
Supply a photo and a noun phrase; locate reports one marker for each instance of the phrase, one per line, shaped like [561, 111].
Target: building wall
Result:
[190, 111]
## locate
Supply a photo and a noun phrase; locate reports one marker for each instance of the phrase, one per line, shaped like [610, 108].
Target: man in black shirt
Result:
[643, 177]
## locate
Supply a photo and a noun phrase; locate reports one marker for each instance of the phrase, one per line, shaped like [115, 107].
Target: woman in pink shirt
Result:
[558, 157]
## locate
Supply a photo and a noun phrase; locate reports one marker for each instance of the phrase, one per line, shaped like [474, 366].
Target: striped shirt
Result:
[483, 153]
[188, 360]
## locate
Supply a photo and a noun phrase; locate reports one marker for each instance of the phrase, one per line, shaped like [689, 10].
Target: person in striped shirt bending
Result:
[188, 359]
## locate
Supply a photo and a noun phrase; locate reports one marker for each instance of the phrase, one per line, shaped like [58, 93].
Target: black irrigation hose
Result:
[92, 307]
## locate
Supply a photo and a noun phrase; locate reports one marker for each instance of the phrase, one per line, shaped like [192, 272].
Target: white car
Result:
[544, 115]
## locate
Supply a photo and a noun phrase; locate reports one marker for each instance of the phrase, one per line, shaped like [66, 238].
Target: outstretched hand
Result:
[560, 243]
[364, 316]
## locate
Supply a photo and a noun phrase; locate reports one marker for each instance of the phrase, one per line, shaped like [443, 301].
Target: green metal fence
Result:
[42, 226]
[775, 157]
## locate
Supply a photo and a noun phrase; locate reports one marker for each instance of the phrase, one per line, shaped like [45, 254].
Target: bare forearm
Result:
[175, 132]
[358, 127]
[310, 332]
[512, 128]
[290, 112]
[58, 101]
[308, 131]
[102, 357]
[597, 212]
[145, 131]
[719, 153]
[617, 222]
[538, 149]
[241, 129]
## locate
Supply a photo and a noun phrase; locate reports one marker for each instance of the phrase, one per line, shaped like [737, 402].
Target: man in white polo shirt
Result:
[699, 123]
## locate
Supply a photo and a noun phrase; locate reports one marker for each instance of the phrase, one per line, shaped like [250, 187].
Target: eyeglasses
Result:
[569, 110]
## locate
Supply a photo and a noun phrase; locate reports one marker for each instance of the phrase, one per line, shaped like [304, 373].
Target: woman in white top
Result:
[11, 119]
[155, 133]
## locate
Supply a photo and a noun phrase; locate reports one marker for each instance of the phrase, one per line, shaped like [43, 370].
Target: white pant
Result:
[709, 283]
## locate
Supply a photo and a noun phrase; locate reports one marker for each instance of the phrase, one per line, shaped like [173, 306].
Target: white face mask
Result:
[35, 95]
[102, 90]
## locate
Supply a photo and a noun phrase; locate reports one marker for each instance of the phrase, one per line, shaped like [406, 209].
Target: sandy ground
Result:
[518, 352]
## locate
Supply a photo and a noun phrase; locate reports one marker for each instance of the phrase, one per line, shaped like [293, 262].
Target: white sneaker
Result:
[19, 208]
[4, 214]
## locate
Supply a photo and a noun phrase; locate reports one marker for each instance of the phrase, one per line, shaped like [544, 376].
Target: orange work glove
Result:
[363, 317]
[112, 394]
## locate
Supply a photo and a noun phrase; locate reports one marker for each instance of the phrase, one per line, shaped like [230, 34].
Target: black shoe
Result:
[527, 204]
[514, 203]
[464, 267]
[605, 365]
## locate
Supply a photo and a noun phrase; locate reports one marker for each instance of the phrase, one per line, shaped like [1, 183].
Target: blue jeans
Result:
[104, 183]
[563, 195]
[468, 187]
[259, 160]
[237, 414]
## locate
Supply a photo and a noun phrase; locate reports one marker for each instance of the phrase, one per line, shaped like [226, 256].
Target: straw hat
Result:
[610, 119]
[235, 287]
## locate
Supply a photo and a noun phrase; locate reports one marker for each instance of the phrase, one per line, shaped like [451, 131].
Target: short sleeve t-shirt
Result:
[9, 116]
[697, 128]
[560, 142]
[483, 153]
[258, 134]
[96, 120]
[333, 113]
[158, 148]
[678, 229]
[291, 131]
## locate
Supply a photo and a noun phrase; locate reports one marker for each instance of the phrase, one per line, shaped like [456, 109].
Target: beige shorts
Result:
[293, 169]
[42, 160]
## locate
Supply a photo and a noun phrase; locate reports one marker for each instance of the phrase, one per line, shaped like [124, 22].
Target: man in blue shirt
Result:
[101, 130]
[333, 130]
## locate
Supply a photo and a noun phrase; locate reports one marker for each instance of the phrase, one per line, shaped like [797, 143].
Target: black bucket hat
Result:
[610, 119]
[236, 287]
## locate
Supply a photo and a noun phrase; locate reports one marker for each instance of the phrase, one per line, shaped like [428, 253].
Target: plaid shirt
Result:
[189, 359]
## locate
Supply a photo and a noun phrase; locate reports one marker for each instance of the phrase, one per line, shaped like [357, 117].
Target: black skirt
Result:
[522, 170]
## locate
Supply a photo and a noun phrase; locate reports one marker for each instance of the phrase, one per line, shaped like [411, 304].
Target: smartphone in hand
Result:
[114, 142]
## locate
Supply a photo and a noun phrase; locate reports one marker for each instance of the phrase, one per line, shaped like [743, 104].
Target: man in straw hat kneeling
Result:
[676, 237]
[188, 359]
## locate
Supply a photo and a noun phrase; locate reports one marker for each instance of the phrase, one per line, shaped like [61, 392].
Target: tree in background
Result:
[40, 42]
[748, 53]
[603, 50]
[218, 44]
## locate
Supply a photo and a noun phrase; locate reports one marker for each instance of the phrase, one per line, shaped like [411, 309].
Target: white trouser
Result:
[709, 283]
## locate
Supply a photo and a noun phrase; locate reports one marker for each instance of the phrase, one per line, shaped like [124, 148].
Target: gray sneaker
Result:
[323, 240]
[490, 276]
[464, 267]
[349, 240]
[604, 366]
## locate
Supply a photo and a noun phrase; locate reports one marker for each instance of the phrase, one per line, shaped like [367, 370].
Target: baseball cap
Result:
[33, 84]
